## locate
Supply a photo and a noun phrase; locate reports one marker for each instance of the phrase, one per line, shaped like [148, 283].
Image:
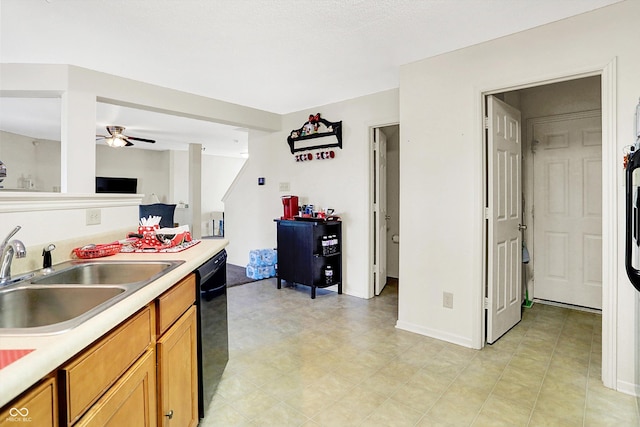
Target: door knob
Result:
[522, 227]
[387, 217]
[169, 414]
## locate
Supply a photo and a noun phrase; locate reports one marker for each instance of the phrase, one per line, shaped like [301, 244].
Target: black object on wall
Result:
[116, 185]
[633, 218]
[632, 162]
[315, 127]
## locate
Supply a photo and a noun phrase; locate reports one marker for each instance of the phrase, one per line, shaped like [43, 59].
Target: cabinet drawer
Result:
[171, 304]
[131, 401]
[97, 368]
[38, 407]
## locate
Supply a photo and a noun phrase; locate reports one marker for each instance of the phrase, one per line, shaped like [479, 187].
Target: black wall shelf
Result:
[310, 130]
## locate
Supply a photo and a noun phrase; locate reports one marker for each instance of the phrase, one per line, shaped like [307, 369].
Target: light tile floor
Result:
[339, 361]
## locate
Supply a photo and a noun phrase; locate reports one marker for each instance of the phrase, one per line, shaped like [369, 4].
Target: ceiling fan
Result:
[117, 138]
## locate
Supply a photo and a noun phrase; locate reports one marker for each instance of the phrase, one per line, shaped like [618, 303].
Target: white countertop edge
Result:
[52, 351]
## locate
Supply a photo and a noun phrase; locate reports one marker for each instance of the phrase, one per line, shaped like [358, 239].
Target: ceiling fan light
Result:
[115, 141]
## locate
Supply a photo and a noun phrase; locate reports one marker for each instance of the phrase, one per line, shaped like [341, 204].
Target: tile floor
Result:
[339, 361]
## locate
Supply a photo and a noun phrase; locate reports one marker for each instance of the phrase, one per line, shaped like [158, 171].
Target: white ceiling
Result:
[276, 55]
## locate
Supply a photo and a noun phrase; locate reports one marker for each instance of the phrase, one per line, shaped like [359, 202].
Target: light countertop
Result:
[52, 351]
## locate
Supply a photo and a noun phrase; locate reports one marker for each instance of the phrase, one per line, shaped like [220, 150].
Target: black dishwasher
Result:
[213, 336]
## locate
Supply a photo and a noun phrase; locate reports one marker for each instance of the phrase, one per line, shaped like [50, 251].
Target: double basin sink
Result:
[57, 301]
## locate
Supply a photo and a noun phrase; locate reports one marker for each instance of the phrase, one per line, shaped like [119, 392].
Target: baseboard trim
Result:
[437, 334]
[628, 388]
[569, 306]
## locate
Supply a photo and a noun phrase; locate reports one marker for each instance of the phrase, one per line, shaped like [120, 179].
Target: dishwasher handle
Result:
[211, 267]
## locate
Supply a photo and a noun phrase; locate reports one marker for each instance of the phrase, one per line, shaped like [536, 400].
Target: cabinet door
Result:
[295, 252]
[178, 373]
[91, 374]
[130, 402]
[37, 407]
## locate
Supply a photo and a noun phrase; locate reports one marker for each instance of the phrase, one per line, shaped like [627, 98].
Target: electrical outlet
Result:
[447, 300]
[283, 186]
[93, 216]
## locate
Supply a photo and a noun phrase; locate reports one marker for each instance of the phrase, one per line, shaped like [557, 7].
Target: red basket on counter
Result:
[97, 251]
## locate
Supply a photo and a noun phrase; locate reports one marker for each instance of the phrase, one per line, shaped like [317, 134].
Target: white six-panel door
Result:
[567, 251]
[504, 261]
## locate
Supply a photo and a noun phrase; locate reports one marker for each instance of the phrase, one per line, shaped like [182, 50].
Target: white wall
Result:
[166, 173]
[150, 167]
[217, 175]
[179, 171]
[441, 165]
[25, 156]
[249, 208]
[341, 183]
[61, 219]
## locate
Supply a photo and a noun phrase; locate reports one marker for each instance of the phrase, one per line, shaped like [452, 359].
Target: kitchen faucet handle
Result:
[10, 235]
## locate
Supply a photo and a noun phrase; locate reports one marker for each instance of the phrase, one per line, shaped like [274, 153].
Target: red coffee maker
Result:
[290, 204]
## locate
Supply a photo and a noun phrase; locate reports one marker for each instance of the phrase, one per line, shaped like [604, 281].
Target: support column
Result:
[78, 143]
[195, 189]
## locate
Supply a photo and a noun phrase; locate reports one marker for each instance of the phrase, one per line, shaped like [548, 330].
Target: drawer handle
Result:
[169, 414]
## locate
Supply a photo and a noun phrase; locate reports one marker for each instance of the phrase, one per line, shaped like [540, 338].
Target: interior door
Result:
[504, 150]
[380, 209]
[567, 251]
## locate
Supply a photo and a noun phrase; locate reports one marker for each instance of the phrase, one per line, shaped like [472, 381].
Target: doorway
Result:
[385, 207]
[566, 208]
[561, 204]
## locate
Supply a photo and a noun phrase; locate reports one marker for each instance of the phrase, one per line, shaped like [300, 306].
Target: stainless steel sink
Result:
[38, 307]
[57, 301]
[105, 273]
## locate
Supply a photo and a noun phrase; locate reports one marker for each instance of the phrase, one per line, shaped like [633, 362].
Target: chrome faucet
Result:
[8, 249]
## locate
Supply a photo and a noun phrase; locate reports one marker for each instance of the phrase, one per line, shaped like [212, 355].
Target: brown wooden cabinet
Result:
[131, 401]
[90, 374]
[127, 377]
[37, 406]
[176, 348]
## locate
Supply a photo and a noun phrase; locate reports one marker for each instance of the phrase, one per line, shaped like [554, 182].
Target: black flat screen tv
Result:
[116, 185]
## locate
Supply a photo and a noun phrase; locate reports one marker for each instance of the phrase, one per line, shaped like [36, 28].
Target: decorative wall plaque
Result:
[315, 127]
